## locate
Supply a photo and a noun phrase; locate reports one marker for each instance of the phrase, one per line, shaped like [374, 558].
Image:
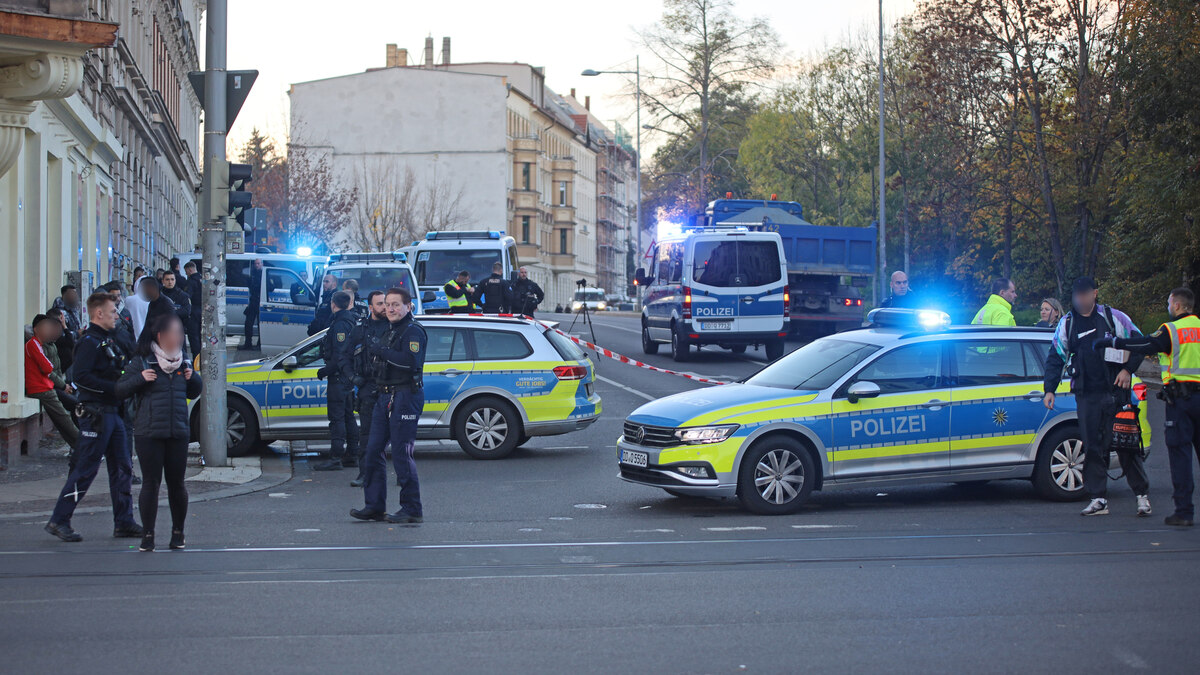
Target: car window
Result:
[729, 263]
[308, 356]
[499, 344]
[285, 286]
[670, 263]
[906, 369]
[237, 273]
[1035, 359]
[983, 362]
[566, 349]
[816, 365]
[445, 344]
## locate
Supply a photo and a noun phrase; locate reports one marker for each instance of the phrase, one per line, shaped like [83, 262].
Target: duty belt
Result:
[393, 388]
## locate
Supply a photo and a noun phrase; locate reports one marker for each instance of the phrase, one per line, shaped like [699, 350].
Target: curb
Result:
[275, 470]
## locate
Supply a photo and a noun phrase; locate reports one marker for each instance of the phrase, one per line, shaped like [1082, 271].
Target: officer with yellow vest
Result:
[997, 311]
[459, 292]
[1178, 347]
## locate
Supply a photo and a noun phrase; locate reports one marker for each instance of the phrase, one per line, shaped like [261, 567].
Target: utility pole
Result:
[213, 411]
[883, 279]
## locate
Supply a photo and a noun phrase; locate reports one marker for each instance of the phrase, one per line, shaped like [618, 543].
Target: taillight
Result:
[687, 302]
[787, 303]
[570, 372]
[1139, 390]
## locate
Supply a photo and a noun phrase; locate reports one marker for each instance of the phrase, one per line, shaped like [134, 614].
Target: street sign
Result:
[237, 88]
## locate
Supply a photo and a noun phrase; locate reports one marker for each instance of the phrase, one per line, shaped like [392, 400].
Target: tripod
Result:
[587, 321]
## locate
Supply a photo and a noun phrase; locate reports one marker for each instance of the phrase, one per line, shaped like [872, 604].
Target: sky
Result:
[319, 39]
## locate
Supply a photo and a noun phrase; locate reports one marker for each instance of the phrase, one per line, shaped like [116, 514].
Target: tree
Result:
[318, 206]
[394, 208]
[270, 179]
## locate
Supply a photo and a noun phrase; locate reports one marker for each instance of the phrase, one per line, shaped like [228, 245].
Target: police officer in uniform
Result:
[527, 295]
[458, 293]
[1178, 345]
[102, 432]
[400, 358]
[495, 295]
[364, 335]
[337, 352]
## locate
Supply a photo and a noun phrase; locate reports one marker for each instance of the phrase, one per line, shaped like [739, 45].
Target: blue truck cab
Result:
[715, 284]
[440, 256]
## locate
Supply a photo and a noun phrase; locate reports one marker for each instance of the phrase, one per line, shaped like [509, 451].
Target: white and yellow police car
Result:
[909, 399]
[491, 383]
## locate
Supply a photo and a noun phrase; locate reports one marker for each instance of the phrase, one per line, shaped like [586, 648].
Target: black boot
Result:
[129, 531]
[329, 465]
[63, 531]
[363, 514]
[177, 543]
[147, 542]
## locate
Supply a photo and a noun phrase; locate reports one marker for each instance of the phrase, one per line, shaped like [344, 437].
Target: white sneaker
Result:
[1098, 507]
[1143, 505]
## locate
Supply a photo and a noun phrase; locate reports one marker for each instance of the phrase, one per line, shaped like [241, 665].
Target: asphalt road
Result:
[546, 562]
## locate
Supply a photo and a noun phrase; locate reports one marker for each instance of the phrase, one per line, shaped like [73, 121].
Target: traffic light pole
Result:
[213, 411]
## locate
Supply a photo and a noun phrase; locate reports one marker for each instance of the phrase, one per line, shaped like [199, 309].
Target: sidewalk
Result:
[30, 486]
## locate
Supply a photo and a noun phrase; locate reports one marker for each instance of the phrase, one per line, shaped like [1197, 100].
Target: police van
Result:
[288, 301]
[721, 285]
[442, 255]
[378, 272]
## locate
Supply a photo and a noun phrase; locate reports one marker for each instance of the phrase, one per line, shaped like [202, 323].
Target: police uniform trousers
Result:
[1183, 440]
[367, 398]
[394, 419]
[1095, 412]
[343, 428]
[104, 438]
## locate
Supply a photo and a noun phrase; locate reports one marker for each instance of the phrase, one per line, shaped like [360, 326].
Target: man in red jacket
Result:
[39, 385]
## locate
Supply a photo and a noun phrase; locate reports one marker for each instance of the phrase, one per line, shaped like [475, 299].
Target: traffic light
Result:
[239, 198]
[228, 196]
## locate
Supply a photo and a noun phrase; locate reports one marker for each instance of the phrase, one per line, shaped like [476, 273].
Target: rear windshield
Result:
[372, 278]
[816, 365]
[731, 262]
[566, 349]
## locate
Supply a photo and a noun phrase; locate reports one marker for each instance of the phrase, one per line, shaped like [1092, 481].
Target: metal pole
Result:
[637, 97]
[883, 280]
[214, 418]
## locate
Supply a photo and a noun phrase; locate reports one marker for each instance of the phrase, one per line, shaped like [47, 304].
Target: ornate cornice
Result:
[42, 76]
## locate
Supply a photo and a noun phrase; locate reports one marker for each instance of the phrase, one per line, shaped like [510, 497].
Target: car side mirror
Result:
[860, 390]
[290, 363]
[428, 296]
[640, 276]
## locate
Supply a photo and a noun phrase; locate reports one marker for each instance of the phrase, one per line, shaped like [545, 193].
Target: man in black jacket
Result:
[178, 296]
[364, 335]
[339, 367]
[102, 432]
[1100, 382]
[252, 307]
[195, 290]
[526, 294]
[494, 294]
[324, 313]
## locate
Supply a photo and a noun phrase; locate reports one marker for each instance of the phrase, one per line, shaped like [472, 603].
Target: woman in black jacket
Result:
[161, 383]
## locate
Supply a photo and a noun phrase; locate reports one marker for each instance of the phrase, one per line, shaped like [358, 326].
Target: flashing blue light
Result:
[926, 319]
[493, 234]
[400, 256]
[304, 251]
[668, 229]
[430, 236]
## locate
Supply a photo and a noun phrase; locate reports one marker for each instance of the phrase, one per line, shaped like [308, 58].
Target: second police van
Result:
[719, 285]
[378, 272]
[440, 256]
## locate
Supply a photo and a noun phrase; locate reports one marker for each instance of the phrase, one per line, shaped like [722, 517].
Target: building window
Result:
[524, 229]
[525, 181]
[562, 240]
[562, 193]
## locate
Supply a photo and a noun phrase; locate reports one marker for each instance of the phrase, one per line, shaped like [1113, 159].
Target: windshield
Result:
[435, 268]
[589, 296]
[375, 278]
[816, 365]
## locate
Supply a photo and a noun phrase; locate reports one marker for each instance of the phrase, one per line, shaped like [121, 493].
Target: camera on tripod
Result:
[582, 283]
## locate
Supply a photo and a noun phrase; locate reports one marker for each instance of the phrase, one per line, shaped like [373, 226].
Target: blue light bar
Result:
[924, 319]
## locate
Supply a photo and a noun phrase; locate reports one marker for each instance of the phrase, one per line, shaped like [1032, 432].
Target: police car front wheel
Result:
[488, 428]
[241, 427]
[776, 476]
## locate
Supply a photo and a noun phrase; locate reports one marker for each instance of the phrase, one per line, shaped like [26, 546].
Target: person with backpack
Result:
[161, 382]
[1100, 382]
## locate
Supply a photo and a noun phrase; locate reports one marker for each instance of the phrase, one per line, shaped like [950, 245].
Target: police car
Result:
[378, 271]
[491, 383]
[440, 256]
[910, 399]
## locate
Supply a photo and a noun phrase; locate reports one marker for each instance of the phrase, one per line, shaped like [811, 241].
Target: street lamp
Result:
[637, 73]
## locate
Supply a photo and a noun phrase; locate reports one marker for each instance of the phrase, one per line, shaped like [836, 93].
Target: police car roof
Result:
[486, 318]
[886, 335]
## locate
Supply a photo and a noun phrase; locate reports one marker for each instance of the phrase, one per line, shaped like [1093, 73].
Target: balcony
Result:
[563, 215]
[528, 252]
[524, 202]
[561, 262]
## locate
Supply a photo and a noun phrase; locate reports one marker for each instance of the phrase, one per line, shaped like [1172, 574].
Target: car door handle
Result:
[934, 404]
[453, 371]
[1035, 396]
[748, 299]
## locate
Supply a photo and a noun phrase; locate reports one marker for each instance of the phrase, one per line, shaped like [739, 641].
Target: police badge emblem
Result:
[341, 337]
[414, 346]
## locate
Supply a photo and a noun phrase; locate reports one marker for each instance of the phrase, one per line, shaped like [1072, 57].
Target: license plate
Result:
[634, 458]
[716, 325]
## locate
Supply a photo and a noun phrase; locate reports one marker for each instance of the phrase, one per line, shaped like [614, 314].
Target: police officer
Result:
[364, 335]
[495, 295]
[357, 304]
[339, 367]
[102, 432]
[322, 317]
[400, 358]
[253, 307]
[1178, 345]
[459, 292]
[527, 295]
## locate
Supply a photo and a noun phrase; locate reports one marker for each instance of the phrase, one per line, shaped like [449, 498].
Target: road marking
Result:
[819, 527]
[660, 530]
[591, 506]
[529, 529]
[308, 529]
[561, 518]
[744, 528]
[575, 559]
[627, 388]
[636, 331]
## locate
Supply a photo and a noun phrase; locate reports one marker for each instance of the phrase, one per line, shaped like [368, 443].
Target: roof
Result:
[888, 335]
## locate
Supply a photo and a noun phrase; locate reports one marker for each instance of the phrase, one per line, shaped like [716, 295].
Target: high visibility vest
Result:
[460, 301]
[1183, 363]
[995, 312]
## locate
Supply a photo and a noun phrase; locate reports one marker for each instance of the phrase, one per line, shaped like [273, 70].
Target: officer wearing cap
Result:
[1177, 344]
[98, 365]
[339, 367]
[400, 358]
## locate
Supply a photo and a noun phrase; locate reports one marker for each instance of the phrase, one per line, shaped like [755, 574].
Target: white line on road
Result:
[661, 530]
[744, 528]
[819, 527]
[627, 388]
[627, 330]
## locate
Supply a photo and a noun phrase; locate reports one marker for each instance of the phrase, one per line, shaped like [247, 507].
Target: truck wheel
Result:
[648, 346]
[487, 428]
[241, 428]
[738, 349]
[679, 345]
[1058, 471]
[774, 349]
[775, 476]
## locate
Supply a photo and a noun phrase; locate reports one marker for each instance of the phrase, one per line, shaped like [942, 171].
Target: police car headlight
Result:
[700, 435]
